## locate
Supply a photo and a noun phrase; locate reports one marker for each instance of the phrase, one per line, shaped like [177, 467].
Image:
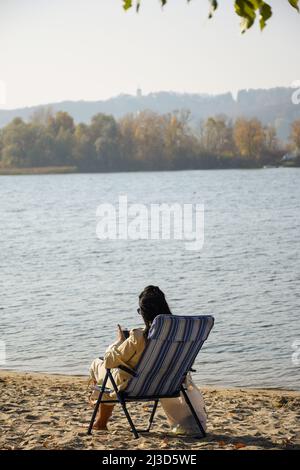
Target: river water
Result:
[63, 290]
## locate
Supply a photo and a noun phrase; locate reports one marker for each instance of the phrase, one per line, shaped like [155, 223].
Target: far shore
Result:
[47, 411]
[45, 170]
[57, 170]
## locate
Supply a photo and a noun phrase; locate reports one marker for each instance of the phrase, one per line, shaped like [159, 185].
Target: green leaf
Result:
[245, 9]
[265, 13]
[213, 7]
[127, 4]
[295, 4]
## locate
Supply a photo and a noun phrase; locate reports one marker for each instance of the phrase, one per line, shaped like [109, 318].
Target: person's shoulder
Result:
[137, 334]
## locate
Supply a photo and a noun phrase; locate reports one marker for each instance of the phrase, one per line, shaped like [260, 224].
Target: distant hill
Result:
[271, 106]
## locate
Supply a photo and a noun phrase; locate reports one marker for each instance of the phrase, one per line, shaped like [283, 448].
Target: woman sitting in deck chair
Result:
[127, 352]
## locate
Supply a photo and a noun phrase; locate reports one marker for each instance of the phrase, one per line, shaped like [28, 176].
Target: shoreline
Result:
[202, 386]
[65, 170]
[43, 170]
[51, 411]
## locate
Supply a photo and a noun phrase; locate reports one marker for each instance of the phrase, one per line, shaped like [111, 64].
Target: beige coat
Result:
[127, 353]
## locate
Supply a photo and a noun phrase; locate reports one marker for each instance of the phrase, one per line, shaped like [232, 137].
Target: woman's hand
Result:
[121, 336]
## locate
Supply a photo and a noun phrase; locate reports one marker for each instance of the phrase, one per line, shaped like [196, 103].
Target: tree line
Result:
[141, 141]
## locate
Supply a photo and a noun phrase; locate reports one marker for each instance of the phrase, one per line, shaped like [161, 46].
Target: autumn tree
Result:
[271, 140]
[180, 143]
[128, 150]
[61, 128]
[147, 131]
[295, 135]
[217, 135]
[17, 141]
[249, 138]
[62, 121]
[84, 152]
[104, 134]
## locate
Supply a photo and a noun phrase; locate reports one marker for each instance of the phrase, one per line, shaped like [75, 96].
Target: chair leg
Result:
[133, 428]
[97, 405]
[152, 414]
[123, 404]
[150, 419]
[193, 411]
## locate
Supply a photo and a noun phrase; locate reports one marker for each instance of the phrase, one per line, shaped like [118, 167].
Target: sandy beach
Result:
[40, 411]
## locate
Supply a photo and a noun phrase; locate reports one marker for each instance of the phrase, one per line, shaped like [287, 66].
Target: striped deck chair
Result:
[172, 346]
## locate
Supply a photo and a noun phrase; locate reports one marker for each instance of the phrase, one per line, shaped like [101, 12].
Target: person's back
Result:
[128, 351]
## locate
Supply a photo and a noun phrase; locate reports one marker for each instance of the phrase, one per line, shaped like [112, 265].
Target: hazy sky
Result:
[54, 50]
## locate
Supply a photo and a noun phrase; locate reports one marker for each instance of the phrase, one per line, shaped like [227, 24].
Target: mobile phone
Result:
[126, 333]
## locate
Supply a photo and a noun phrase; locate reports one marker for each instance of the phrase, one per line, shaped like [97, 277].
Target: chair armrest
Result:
[124, 368]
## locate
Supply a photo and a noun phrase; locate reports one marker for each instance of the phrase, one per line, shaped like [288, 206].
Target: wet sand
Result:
[41, 411]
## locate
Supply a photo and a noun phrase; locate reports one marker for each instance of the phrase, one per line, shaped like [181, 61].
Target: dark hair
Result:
[152, 302]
